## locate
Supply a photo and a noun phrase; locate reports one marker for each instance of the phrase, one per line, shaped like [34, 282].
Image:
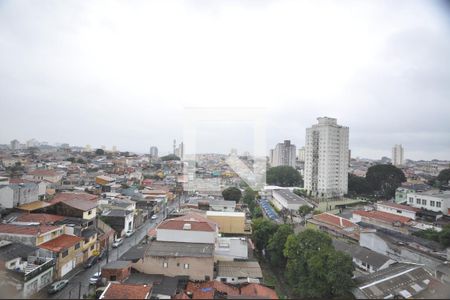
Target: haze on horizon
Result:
[122, 73]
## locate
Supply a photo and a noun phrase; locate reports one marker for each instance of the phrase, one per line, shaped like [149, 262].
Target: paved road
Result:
[79, 282]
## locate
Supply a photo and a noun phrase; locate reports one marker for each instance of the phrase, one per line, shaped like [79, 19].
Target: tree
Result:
[276, 243]
[444, 176]
[385, 178]
[304, 210]
[314, 268]
[263, 229]
[284, 176]
[444, 236]
[170, 157]
[99, 152]
[232, 193]
[358, 185]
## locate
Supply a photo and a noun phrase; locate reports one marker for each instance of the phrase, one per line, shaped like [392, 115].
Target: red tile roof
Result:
[60, 243]
[41, 218]
[26, 229]
[206, 290]
[382, 216]
[70, 196]
[399, 206]
[258, 290]
[198, 223]
[126, 291]
[334, 220]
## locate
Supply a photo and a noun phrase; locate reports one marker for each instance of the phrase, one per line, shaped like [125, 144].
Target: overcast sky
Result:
[122, 73]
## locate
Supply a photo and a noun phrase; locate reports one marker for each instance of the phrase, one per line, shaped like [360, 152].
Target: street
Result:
[79, 279]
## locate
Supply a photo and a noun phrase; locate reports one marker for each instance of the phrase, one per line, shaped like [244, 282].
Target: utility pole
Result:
[79, 290]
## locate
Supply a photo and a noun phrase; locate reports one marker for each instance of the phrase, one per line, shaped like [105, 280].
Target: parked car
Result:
[57, 286]
[95, 278]
[154, 217]
[102, 254]
[90, 262]
[117, 243]
[129, 233]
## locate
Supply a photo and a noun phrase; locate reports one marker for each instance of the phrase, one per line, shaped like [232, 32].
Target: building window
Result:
[112, 278]
[165, 265]
[186, 266]
[65, 253]
[418, 201]
[77, 246]
[432, 203]
[410, 200]
[438, 204]
[424, 202]
[90, 212]
[12, 265]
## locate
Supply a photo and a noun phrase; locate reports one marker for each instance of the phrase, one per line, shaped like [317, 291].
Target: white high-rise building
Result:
[326, 159]
[15, 145]
[283, 154]
[397, 155]
[301, 154]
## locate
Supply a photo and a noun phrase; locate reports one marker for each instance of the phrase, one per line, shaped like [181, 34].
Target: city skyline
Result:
[133, 68]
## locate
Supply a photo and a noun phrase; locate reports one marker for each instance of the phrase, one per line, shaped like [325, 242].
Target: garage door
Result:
[67, 267]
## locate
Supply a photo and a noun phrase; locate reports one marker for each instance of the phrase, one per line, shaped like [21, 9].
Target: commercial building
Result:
[153, 152]
[397, 155]
[326, 159]
[283, 154]
[433, 200]
[397, 209]
[301, 154]
[284, 198]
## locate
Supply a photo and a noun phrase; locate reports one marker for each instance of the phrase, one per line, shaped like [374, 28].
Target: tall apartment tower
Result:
[326, 159]
[283, 154]
[154, 152]
[397, 155]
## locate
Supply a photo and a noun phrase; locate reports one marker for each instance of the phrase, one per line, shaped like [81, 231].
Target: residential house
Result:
[195, 260]
[126, 291]
[52, 176]
[237, 272]
[190, 228]
[119, 219]
[404, 247]
[14, 195]
[29, 233]
[68, 252]
[335, 225]
[73, 196]
[219, 290]
[365, 259]
[78, 208]
[23, 271]
[34, 206]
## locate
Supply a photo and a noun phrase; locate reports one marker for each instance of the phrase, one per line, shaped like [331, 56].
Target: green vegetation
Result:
[385, 179]
[314, 268]
[263, 230]
[307, 260]
[284, 176]
[304, 210]
[442, 237]
[441, 180]
[249, 198]
[232, 193]
[99, 152]
[358, 186]
[170, 157]
[275, 245]
[300, 192]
